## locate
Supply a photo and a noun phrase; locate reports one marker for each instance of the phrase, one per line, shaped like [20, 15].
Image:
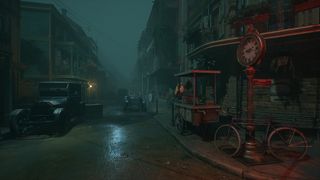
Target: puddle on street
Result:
[114, 141]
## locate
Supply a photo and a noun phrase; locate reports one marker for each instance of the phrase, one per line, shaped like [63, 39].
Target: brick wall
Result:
[301, 109]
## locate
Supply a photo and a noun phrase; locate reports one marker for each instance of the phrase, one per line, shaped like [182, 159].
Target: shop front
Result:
[291, 65]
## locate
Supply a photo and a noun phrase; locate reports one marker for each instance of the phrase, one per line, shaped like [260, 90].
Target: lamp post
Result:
[249, 53]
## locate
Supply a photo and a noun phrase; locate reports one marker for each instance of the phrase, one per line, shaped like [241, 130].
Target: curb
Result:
[243, 173]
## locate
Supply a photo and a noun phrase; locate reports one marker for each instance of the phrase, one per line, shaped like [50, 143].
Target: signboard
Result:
[262, 82]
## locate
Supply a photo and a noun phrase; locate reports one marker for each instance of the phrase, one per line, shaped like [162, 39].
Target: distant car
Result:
[134, 103]
[59, 102]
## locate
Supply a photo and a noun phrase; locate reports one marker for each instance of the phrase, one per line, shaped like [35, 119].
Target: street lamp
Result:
[91, 88]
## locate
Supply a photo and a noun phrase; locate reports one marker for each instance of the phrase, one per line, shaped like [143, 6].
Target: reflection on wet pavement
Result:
[114, 151]
[127, 145]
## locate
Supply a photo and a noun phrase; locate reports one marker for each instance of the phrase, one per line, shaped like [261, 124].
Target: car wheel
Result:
[16, 123]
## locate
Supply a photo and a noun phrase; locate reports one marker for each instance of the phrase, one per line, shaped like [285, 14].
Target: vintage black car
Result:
[134, 103]
[59, 102]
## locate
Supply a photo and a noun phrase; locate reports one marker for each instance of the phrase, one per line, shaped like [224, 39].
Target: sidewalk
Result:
[307, 169]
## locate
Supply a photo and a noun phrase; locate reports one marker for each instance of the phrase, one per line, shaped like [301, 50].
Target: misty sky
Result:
[116, 26]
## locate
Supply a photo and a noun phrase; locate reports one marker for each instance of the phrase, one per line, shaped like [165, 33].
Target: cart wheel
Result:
[180, 124]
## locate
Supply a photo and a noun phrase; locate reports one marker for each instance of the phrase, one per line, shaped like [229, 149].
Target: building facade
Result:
[157, 50]
[54, 47]
[212, 31]
[9, 55]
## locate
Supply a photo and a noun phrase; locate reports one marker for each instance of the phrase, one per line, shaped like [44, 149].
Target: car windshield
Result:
[52, 85]
[53, 89]
[53, 93]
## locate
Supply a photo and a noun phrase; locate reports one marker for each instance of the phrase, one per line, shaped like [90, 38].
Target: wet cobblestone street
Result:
[121, 145]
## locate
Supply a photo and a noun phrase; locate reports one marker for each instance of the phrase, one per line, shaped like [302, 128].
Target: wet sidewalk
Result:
[306, 169]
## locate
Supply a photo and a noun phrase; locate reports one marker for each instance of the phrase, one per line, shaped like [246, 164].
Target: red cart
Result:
[197, 105]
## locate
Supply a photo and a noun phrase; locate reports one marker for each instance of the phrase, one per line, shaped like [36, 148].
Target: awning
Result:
[294, 35]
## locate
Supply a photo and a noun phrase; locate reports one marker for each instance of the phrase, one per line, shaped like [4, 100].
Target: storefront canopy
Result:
[308, 36]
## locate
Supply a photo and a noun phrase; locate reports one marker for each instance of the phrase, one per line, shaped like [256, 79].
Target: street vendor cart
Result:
[197, 105]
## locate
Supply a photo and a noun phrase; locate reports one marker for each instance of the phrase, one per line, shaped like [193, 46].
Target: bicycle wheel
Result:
[227, 139]
[287, 143]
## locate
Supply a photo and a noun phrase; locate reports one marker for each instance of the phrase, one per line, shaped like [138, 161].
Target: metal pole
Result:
[172, 114]
[194, 88]
[142, 84]
[157, 105]
[215, 89]
[250, 146]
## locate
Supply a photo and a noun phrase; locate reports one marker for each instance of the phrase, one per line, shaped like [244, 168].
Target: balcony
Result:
[256, 14]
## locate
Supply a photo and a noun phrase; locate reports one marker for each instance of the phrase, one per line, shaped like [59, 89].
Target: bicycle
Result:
[284, 143]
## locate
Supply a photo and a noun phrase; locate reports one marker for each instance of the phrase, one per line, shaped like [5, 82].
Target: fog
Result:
[115, 25]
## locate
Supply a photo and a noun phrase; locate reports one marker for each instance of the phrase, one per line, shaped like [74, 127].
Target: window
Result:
[34, 24]
[35, 55]
[75, 90]
[62, 62]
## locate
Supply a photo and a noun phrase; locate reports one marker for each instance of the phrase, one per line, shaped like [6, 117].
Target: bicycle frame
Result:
[239, 124]
[276, 139]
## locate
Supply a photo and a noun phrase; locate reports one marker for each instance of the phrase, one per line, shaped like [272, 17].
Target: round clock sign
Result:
[251, 49]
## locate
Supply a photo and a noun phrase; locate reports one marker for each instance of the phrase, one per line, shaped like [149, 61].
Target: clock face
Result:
[250, 50]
